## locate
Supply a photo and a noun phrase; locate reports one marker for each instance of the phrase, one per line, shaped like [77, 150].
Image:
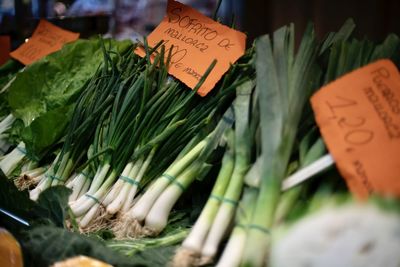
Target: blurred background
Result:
[132, 18]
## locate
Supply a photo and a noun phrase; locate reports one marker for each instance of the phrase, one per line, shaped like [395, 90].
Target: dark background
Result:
[375, 19]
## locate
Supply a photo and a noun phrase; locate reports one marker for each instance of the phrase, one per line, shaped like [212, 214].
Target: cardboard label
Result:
[359, 119]
[197, 40]
[5, 47]
[46, 39]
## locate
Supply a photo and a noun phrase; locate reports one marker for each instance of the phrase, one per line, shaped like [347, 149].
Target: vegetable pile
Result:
[124, 163]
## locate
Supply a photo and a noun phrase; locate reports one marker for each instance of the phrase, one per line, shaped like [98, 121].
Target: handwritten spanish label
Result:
[359, 119]
[5, 47]
[196, 41]
[46, 39]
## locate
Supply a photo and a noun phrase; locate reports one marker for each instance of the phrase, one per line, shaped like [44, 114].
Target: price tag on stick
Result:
[46, 39]
[359, 119]
[196, 41]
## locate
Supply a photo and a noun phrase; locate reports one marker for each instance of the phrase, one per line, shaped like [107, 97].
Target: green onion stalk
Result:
[218, 213]
[285, 82]
[148, 216]
[165, 109]
[196, 116]
[122, 141]
[95, 100]
[160, 118]
[113, 144]
[5, 125]
[13, 159]
[189, 252]
[233, 250]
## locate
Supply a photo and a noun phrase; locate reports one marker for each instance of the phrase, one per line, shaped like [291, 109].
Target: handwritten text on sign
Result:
[359, 119]
[197, 40]
[46, 39]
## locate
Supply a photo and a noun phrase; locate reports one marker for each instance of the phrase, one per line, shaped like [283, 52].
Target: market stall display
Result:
[111, 155]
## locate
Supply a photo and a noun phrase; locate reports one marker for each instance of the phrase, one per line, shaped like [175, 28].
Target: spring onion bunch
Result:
[40, 100]
[95, 100]
[136, 130]
[148, 216]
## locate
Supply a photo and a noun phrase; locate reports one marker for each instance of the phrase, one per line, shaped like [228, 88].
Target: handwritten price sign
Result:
[46, 39]
[359, 119]
[196, 41]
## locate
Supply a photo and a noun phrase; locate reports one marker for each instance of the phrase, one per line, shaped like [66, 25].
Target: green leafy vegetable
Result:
[46, 130]
[57, 79]
[45, 245]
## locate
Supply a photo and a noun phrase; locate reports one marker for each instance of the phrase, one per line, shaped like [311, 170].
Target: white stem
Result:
[158, 216]
[85, 188]
[77, 185]
[92, 190]
[71, 181]
[132, 192]
[43, 185]
[232, 254]
[11, 161]
[195, 240]
[6, 123]
[30, 165]
[88, 217]
[98, 179]
[81, 207]
[218, 229]
[45, 182]
[63, 170]
[112, 194]
[117, 203]
[116, 188]
[42, 180]
[4, 145]
[144, 204]
[35, 172]
[38, 178]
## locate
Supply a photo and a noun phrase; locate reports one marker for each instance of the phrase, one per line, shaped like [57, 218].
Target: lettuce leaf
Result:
[50, 86]
[56, 79]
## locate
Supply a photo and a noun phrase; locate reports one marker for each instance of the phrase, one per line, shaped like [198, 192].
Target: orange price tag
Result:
[197, 40]
[46, 39]
[4, 48]
[359, 119]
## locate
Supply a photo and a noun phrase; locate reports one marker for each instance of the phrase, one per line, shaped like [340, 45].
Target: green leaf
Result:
[157, 257]
[56, 80]
[42, 95]
[45, 245]
[53, 205]
[8, 71]
[45, 131]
